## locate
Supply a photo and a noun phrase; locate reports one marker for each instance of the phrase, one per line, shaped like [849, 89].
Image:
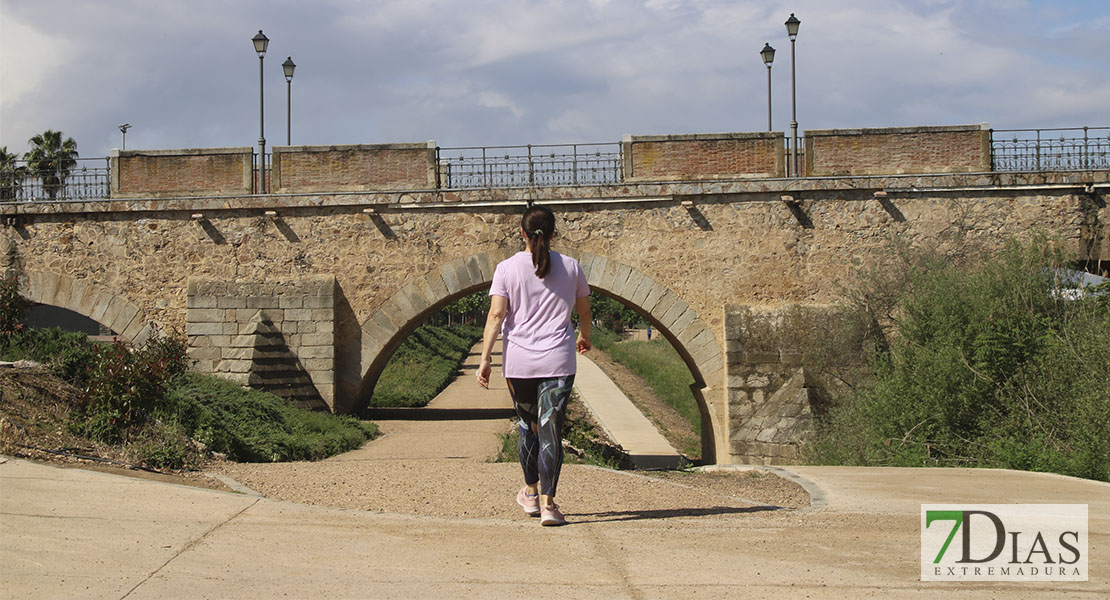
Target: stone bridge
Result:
[308, 290]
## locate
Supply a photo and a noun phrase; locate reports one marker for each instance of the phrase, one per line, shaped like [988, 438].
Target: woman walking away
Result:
[531, 299]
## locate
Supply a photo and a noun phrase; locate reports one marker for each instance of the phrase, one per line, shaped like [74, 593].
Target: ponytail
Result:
[539, 224]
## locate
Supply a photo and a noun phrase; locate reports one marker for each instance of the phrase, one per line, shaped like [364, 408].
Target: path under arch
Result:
[382, 333]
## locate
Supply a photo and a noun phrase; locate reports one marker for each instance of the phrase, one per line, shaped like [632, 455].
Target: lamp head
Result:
[791, 26]
[260, 43]
[124, 127]
[768, 54]
[288, 67]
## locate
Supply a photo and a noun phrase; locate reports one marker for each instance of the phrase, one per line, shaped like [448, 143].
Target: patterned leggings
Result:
[541, 405]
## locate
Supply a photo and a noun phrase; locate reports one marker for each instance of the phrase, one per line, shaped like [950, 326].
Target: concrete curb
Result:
[817, 496]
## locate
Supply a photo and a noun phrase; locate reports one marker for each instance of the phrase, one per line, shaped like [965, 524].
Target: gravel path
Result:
[442, 465]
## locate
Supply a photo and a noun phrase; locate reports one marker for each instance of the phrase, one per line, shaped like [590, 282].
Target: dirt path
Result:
[441, 464]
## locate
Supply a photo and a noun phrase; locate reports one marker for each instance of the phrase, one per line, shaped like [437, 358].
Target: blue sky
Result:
[481, 72]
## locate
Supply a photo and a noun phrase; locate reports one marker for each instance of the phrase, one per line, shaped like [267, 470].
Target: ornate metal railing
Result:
[1064, 149]
[529, 166]
[90, 179]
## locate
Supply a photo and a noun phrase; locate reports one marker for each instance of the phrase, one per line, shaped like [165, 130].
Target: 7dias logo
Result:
[1004, 542]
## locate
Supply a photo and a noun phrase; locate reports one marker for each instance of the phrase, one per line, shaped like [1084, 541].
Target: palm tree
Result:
[12, 174]
[50, 159]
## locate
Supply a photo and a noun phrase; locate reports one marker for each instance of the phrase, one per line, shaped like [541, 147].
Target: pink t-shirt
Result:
[538, 336]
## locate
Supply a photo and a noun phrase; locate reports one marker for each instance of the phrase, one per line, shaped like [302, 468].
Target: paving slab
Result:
[621, 420]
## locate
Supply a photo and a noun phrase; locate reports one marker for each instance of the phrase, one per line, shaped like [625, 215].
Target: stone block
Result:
[596, 271]
[318, 364]
[205, 315]
[298, 314]
[322, 314]
[631, 283]
[654, 295]
[323, 377]
[319, 302]
[486, 266]
[315, 339]
[320, 327]
[306, 352]
[661, 308]
[262, 302]
[474, 270]
[434, 281]
[673, 314]
[291, 301]
[235, 353]
[77, 291]
[643, 289]
[450, 278]
[203, 353]
[101, 307]
[200, 302]
[62, 292]
[231, 302]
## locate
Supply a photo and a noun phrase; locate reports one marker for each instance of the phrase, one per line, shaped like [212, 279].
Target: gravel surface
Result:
[444, 468]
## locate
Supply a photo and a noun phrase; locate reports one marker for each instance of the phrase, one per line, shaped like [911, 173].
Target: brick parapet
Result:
[181, 172]
[702, 156]
[362, 167]
[897, 150]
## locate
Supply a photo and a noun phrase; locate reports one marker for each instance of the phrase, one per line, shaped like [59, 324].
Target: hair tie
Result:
[538, 232]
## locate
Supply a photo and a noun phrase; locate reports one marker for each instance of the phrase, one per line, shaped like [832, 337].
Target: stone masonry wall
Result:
[711, 245]
[174, 173]
[778, 360]
[354, 168]
[897, 150]
[275, 335]
[703, 156]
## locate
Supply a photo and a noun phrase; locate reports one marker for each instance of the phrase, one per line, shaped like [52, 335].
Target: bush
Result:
[123, 386]
[987, 366]
[12, 308]
[254, 426]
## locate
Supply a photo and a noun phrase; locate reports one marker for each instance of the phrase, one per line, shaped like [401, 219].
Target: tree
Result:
[51, 159]
[11, 174]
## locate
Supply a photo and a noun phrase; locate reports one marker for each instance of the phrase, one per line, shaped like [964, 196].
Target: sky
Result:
[184, 74]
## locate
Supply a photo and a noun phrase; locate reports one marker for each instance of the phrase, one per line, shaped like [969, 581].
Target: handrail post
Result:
[1086, 150]
[574, 165]
[1038, 150]
[531, 169]
[485, 171]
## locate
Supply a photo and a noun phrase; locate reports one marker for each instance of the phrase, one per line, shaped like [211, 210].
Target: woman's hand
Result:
[583, 344]
[484, 369]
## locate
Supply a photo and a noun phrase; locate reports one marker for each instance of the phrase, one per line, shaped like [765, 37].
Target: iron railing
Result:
[1063, 149]
[529, 166]
[554, 165]
[89, 179]
[256, 182]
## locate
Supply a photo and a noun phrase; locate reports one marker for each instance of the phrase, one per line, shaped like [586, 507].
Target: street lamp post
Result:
[288, 67]
[792, 30]
[123, 129]
[768, 54]
[260, 43]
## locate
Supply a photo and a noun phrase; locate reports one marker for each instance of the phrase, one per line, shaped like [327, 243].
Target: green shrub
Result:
[425, 363]
[254, 426]
[986, 367]
[12, 308]
[122, 386]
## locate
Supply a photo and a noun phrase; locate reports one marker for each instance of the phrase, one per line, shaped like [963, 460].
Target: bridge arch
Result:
[90, 300]
[383, 332]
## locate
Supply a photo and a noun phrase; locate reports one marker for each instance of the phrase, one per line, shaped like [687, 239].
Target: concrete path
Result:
[624, 423]
[70, 533]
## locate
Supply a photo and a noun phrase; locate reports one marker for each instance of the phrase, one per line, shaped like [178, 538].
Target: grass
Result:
[659, 364]
[424, 364]
[254, 426]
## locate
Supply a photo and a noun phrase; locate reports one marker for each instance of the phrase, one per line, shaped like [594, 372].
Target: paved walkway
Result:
[71, 533]
[624, 423]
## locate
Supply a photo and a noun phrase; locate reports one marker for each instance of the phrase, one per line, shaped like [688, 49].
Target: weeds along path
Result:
[438, 461]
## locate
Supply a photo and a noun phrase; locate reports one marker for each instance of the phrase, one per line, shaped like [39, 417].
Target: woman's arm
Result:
[498, 306]
[585, 322]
